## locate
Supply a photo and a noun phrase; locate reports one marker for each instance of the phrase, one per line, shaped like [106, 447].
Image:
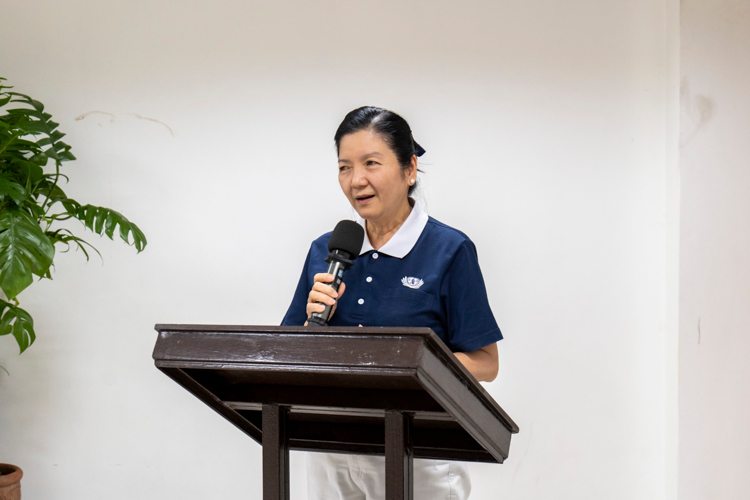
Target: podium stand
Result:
[397, 392]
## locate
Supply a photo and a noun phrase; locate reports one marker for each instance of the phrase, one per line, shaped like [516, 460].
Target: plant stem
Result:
[54, 185]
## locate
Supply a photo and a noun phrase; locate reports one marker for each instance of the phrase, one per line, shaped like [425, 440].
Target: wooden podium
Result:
[397, 392]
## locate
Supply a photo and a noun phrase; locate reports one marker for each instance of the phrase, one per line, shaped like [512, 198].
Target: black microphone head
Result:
[348, 237]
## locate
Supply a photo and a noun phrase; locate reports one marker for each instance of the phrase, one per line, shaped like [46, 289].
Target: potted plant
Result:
[32, 202]
[10, 482]
[32, 206]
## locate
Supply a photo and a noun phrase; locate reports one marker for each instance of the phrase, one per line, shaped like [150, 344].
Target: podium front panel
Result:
[338, 383]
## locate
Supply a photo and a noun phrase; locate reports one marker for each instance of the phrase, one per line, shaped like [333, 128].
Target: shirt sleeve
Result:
[470, 322]
[296, 315]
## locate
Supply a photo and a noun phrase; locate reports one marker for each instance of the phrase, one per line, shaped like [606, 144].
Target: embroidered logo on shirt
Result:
[410, 282]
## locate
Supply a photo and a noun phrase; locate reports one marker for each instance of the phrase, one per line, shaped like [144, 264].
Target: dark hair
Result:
[389, 126]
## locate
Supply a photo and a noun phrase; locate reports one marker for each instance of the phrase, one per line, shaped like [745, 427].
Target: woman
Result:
[412, 271]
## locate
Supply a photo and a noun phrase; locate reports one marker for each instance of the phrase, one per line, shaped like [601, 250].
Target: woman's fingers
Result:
[325, 289]
[324, 277]
[321, 285]
[323, 294]
[315, 308]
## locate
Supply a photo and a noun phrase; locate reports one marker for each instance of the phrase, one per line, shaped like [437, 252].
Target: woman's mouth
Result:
[365, 198]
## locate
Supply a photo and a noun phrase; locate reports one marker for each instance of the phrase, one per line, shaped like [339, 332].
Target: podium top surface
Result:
[338, 383]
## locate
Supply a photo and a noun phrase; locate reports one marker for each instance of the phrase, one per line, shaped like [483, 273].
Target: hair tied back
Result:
[418, 150]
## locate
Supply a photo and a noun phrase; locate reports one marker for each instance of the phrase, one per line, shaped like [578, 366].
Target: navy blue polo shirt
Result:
[427, 275]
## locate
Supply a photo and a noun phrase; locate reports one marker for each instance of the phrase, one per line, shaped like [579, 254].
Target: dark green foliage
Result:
[31, 201]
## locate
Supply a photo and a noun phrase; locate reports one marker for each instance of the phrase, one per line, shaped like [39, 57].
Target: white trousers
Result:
[332, 476]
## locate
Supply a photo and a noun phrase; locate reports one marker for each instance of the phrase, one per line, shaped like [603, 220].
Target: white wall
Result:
[715, 245]
[544, 124]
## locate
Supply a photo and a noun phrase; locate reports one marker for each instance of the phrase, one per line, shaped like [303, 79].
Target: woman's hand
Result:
[323, 293]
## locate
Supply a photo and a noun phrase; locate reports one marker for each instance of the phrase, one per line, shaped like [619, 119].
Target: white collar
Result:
[405, 238]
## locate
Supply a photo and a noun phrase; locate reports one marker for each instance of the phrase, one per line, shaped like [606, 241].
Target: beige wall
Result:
[715, 251]
[544, 124]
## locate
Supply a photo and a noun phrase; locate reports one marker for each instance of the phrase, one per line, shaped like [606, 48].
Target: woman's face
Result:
[371, 177]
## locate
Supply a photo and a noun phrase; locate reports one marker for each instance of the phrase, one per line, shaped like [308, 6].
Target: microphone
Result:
[343, 247]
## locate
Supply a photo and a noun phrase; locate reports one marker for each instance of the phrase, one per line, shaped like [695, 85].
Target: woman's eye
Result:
[372, 162]
[342, 168]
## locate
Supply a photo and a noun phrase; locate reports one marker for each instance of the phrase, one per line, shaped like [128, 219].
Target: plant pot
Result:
[10, 482]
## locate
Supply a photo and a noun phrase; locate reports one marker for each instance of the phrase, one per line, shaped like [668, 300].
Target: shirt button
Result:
[375, 256]
[361, 301]
[369, 279]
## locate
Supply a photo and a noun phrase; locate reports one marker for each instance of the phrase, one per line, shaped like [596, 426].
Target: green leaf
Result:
[21, 97]
[71, 206]
[32, 126]
[15, 191]
[39, 159]
[66, 237]
[24, 250]
[35, 210]
[51, 153]
[31, 170]
[105, 221]
[15, 320]
[66, 155]
[51, 190]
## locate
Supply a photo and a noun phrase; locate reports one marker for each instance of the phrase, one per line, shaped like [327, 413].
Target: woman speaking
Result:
[413, 271]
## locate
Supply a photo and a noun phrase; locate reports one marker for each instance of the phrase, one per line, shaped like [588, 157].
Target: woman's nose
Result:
[359, 179]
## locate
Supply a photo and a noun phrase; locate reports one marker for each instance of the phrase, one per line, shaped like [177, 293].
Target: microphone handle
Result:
[336, 268]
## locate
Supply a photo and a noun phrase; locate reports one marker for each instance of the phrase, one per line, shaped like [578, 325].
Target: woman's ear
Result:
[413, 167]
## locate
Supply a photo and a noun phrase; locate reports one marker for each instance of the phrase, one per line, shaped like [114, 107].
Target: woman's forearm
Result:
[482, 363]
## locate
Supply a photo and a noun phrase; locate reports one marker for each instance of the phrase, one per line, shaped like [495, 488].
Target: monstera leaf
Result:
[105, 221]
[15, 320]
[24, 250]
